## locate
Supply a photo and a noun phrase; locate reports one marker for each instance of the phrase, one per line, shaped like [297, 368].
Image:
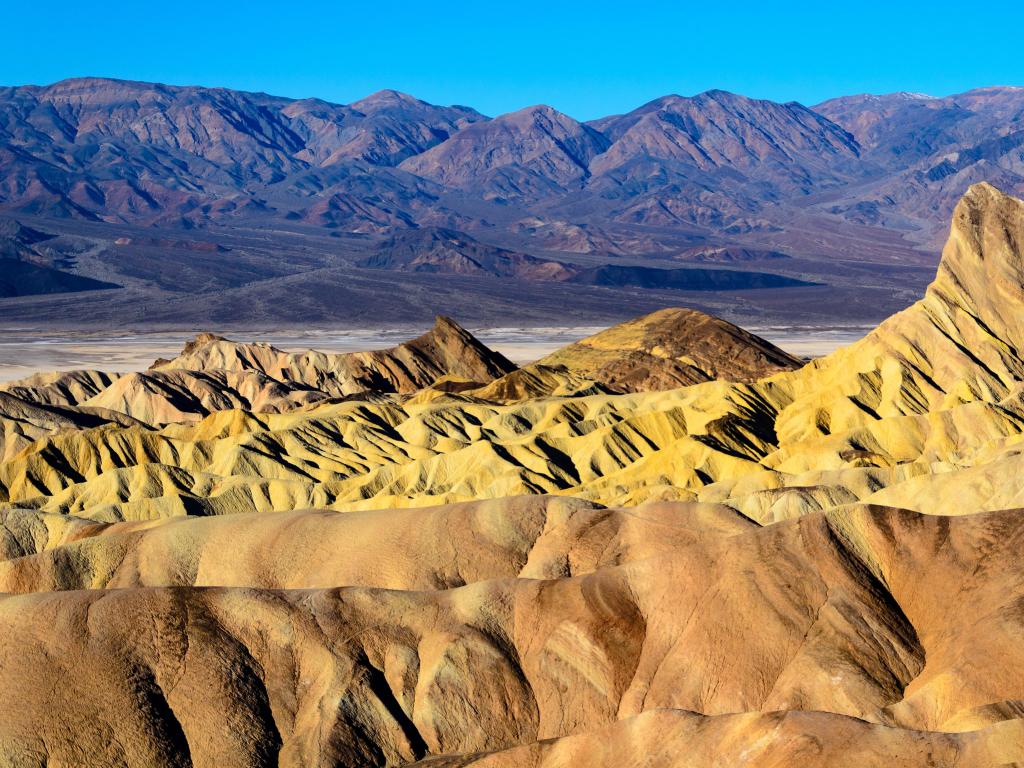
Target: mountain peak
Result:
[531, 153]
[105, 89]
[719, 129]
[453, 349]
[534, 111]
[386, 98]
[982, 267]
[70, 83]
[719, 94]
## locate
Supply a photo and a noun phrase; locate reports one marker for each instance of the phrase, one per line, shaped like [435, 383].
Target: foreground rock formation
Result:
[819, 567]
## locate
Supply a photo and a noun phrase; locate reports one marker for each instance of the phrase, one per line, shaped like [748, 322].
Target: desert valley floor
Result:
[671, 543]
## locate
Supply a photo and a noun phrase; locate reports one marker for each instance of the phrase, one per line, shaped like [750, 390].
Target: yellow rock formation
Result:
[244, 557]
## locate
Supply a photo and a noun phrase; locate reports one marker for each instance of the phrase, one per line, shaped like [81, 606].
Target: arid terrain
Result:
[129, 205]
[26, 352]
[670, 543]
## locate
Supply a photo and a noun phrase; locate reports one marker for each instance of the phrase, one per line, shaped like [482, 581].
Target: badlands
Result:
[670, 544]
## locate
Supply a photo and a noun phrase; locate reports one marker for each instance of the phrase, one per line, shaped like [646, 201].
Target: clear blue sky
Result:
[585, 58]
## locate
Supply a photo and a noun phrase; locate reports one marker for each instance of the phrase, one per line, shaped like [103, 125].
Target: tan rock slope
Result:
[667, 349]
[538, 619]
[820, 567]
[447, 349]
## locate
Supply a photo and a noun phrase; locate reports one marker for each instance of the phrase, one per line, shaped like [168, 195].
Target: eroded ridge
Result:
[818, 567]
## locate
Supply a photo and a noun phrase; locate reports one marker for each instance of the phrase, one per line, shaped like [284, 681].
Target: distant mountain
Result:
[533, 153]
[715, 160]
[932, 149]
[107, 149]
[858, 180]
[870, 119]
[899, 128]
[717, 130]
[437, 250]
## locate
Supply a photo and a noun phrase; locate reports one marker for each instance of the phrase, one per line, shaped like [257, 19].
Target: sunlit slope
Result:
[667, 349]
[509, 622]
[934, 390]
[370, 455]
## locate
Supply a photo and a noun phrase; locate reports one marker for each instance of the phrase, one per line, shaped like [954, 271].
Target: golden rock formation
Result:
[820, 567]
[447, 349]
[667, 349]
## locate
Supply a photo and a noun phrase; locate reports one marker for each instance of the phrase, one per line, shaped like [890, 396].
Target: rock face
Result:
[818, 567]
[664, 350]
[535, 152]
[446, 350]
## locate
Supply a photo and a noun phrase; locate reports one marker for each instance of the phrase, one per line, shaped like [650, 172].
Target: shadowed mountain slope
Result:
[24, 270]
[285, 202]
[437, 250]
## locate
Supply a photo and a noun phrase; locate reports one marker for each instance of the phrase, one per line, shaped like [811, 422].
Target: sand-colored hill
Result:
[447, 349]
[667, 349]
[820, 567]
[537, 619]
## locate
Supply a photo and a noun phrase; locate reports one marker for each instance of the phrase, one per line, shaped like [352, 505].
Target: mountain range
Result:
[162, 193]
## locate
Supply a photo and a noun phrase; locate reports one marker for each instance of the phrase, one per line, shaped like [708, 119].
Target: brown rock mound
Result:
[666, 349]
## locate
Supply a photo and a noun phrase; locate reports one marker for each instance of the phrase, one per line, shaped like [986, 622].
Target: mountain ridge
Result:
[713, 171]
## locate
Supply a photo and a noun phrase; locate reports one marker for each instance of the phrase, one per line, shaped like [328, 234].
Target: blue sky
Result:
[585, 58]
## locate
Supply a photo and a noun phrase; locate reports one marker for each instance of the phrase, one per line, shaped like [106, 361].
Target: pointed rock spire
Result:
[981, 274]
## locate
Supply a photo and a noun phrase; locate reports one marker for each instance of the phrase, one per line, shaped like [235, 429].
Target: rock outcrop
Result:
[667, 349]
[446, 349]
